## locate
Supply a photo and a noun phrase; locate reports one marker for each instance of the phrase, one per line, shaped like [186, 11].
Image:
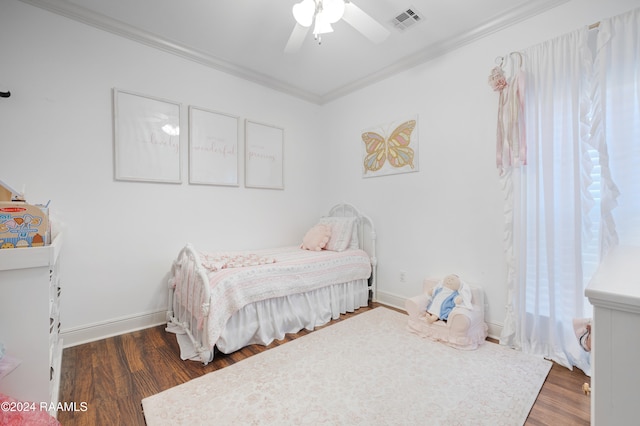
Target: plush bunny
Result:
[445, 296]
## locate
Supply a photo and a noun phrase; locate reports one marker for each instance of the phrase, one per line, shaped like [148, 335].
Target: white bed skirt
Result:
[265, 321]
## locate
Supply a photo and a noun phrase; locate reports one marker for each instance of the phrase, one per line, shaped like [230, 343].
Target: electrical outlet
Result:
[403, 276]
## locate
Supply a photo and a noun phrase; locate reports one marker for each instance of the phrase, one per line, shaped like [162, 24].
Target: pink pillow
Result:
[316, 238]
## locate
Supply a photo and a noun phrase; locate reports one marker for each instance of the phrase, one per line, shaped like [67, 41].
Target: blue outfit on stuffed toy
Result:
[445, 302]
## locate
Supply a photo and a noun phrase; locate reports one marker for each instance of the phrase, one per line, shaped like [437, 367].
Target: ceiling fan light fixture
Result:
[323, 13]
[304, 11]
[330, 12]
[333, 10]
[322, 26]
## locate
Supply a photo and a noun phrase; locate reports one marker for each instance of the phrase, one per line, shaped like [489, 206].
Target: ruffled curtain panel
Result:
[569, 205]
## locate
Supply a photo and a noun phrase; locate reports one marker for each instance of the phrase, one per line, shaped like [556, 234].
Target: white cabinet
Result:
[29, 321]
[614, 293]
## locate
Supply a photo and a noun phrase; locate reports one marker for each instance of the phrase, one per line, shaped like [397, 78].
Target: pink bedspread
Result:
[293, 271]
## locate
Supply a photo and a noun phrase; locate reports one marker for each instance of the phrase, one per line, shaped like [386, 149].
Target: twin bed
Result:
[226, 301]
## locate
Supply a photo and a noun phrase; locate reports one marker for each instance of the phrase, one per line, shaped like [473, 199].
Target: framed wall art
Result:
[264, 156]
[146, 138]
[390, 148]
[213, 147]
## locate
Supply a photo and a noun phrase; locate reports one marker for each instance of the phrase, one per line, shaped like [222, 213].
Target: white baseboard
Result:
[390, 299]
[398, 302]
[495, 330]
[102, 330]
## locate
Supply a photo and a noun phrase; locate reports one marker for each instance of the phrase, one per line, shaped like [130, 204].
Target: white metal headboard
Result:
[366, 238]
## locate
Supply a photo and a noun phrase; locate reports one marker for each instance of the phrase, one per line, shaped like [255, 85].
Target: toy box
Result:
[7, 193]
[23, 225]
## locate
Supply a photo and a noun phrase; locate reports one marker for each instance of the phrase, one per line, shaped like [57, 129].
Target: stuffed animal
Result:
[582, 328]
[316, 238]
[445, 296]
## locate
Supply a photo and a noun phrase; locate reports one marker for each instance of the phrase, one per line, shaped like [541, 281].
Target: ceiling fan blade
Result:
[296, 38]
[364, 23]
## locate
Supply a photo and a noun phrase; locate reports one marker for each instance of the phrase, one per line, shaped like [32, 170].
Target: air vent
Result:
[407, 19]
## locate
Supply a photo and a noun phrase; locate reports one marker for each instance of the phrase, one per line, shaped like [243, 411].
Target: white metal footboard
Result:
[189, 296]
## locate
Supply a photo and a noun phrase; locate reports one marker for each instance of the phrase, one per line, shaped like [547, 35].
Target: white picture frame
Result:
[146, 138]
[264, 155]
[213, 147]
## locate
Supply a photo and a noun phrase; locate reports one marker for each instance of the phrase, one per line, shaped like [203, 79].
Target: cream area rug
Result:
[369, 370]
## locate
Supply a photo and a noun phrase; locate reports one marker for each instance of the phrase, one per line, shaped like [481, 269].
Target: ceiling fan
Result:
[323, 13]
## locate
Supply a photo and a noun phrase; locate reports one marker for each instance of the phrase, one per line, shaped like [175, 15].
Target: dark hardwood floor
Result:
[113, 375]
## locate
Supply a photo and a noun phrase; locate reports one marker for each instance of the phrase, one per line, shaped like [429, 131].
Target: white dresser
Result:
[614, 293]
[29, 321]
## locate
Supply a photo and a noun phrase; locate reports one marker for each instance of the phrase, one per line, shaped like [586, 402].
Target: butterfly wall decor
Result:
[390, 153]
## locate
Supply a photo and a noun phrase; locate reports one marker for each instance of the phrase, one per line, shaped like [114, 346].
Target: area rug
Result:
[368, 369]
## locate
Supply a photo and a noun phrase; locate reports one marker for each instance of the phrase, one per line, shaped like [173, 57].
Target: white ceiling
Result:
[247, 37]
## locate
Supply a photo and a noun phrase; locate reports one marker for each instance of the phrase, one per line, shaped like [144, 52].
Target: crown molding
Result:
[86, 16]
[100, 21]
[500, 22]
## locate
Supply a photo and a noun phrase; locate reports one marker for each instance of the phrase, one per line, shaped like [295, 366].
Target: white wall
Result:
[120, 239]
[448, 217]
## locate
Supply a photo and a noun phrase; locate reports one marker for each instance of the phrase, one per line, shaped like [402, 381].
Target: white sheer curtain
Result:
[617, 70]
[581, 94]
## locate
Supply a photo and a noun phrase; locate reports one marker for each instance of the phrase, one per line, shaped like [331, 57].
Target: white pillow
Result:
[341, 232]
[354, 244]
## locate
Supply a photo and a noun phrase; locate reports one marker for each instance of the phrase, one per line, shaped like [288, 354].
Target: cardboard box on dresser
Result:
[22, 224]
